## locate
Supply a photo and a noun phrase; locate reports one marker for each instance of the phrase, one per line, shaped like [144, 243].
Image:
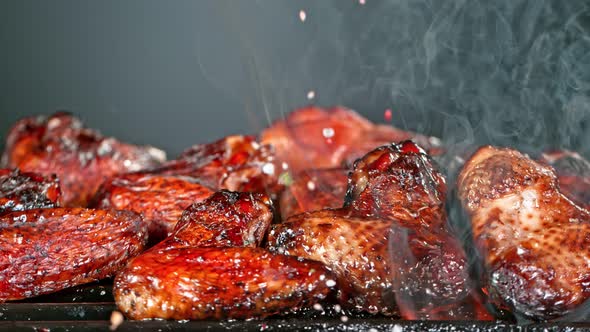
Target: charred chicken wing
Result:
[81, 157]
[312, 138]
[534, 241]
[160, 199]
[46, 250]
[389, 244]
[25, 191]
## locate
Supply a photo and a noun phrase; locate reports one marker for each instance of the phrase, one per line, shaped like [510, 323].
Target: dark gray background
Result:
[174, 73]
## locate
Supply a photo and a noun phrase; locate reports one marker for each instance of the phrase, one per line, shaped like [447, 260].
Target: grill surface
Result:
[89, 308]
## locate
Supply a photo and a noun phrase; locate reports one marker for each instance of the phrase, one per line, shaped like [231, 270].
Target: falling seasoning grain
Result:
[116, 320]
[387, 115]
[362, 2]
[311, 95]
[328, 132]
[302, 15]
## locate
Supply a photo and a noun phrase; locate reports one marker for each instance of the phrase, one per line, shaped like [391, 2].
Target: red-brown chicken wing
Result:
[46, 250]
[534, 241]
[160, 199]
[390, 243]
[81, 157]
[236, 163]
[313, 138]
[218, 283]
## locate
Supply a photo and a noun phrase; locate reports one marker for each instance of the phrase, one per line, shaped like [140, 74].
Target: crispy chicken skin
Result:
[313, 190]
[534, 241]
[313, 138]
[390, 242]
[81, 157]
[46, 250]
[210, 267]
[218, 283]
[236, 163]
[160, 199]
[25, 191]
[573, 174]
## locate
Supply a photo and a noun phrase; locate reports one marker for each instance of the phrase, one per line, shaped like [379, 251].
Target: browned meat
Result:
[236, 163]
[218, 283]
[534, 241]
[226, 219]
[82, 158]
[24, 191]
[314, 190]
[390, 243]
[46, 250]
[573, 174]
[312, 138]
[160, 199]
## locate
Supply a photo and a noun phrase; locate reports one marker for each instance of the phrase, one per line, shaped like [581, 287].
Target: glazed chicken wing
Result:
[218, 283]
[210, 267]
[313, 190]
[81, 157]
[534, 241]
[25, 191]
[389, 244]
[226, 219]
[160, 199]
[236, 163]
[313, 138]
[46, 250]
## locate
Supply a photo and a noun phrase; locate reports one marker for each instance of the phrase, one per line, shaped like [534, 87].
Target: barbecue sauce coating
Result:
[47, 250]
[313, 190]
[81, 157]
[314, 138]
[210, 267]
[389, 244]
[534, 241]
[226, 219]
[235, 163]
[160, 199]
[24, 191]
[218, 283]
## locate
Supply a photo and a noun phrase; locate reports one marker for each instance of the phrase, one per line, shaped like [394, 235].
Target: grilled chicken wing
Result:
[218, 283]
[160, 199]
[81, 157]
[312, 138]
[390, 242]
[46, 250]
[236, 163]
[226, 219]
[534, 241]
[206, 270]
[573, 174]
[24, 191]
[313, 190]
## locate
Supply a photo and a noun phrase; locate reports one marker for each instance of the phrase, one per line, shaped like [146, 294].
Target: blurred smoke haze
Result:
[177, 73]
